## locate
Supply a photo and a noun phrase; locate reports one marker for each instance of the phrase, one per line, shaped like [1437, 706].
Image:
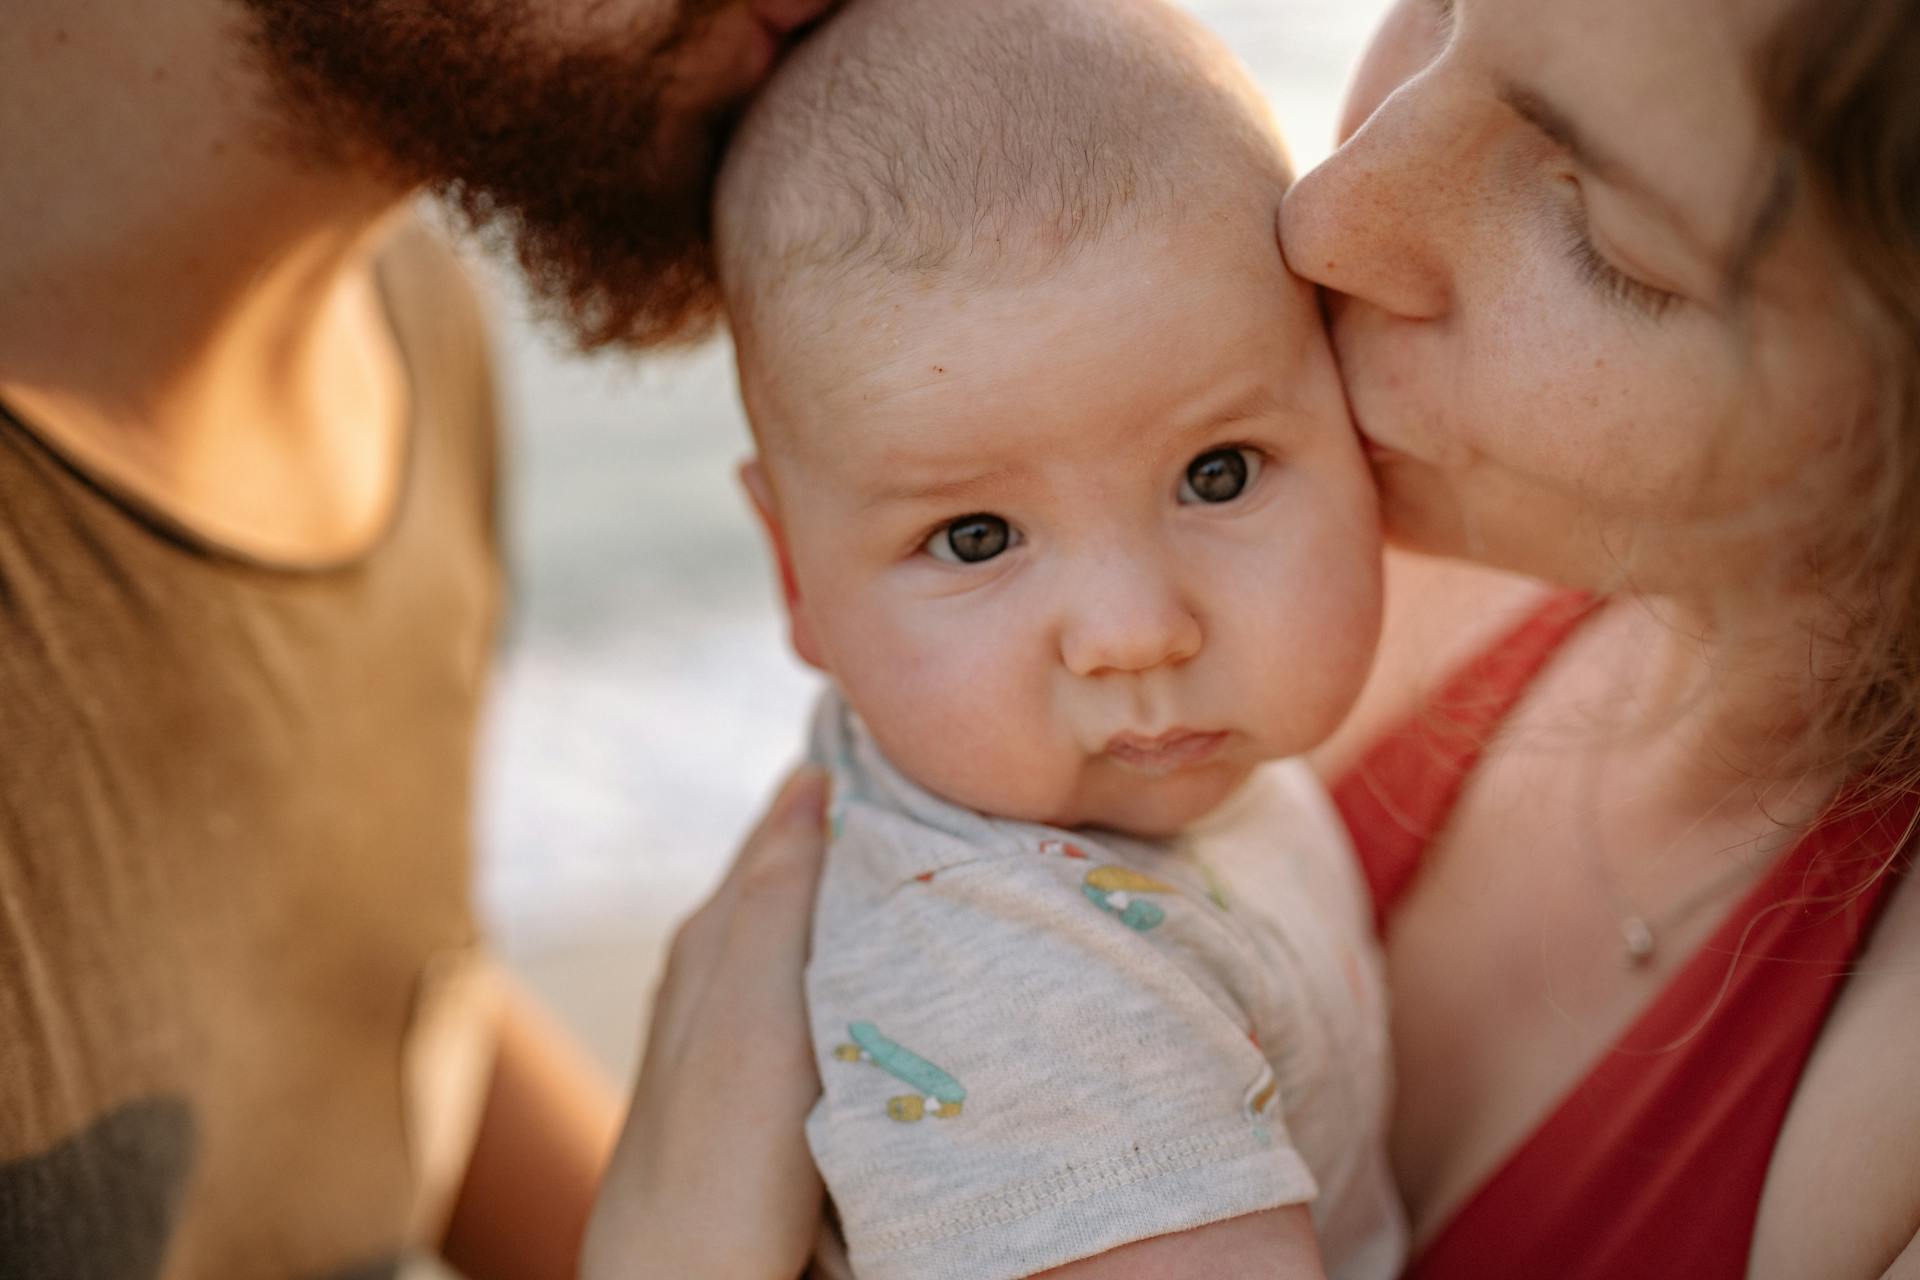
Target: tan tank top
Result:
[234, 830]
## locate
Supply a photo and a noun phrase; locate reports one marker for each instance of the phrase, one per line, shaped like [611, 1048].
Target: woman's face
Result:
[1588, 329]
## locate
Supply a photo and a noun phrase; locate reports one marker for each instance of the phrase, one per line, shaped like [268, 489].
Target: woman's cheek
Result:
[1630, 429]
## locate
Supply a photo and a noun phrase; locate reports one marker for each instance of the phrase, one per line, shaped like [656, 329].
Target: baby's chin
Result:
[1155, 808]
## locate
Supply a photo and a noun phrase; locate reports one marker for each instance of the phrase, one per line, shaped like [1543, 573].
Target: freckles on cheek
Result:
[1533, 396]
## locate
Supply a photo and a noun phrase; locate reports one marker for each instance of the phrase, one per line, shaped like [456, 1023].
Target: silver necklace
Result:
[1640, 930]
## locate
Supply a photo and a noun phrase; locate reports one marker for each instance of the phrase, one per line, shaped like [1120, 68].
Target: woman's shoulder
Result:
[1439, 615]
[1841, 1197]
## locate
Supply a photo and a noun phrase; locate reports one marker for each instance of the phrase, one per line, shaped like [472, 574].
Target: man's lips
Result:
[1167, 752]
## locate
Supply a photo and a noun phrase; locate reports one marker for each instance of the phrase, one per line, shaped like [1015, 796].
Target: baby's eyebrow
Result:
[1259, 402]
[896, 491]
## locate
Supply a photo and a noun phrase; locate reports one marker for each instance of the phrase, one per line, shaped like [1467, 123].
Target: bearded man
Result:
[248, 586]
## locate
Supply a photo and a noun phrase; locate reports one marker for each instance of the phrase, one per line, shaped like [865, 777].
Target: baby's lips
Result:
[1179, 749]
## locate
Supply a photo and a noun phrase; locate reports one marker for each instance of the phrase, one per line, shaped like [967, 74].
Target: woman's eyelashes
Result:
[1601, 275]
[973, 539]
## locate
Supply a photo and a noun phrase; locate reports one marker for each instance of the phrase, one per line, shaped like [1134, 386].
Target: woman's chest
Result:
[1508, 980]
[1513, 979]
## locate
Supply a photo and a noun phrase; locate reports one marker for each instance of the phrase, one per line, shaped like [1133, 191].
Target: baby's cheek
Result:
[982, 752]
[960, 709]
[1309, 627]
[1344, 635]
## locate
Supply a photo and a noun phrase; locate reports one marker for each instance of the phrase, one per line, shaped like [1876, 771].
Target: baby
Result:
[1065, 499]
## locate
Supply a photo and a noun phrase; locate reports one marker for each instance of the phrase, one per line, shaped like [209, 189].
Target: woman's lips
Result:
[1375, 451]
[1166, 753]
[784, 17]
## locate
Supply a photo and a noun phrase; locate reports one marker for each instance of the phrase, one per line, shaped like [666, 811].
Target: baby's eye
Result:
[971, 540]
[1219, 475]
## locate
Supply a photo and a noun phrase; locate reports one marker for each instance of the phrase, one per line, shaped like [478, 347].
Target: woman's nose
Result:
[1371, 221]
[1122, 623]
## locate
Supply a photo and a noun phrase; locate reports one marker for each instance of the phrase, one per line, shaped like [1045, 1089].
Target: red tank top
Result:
[1652, 1165]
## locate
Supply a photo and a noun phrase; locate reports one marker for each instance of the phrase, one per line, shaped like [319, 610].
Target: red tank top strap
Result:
[1653, 1164]
[1399, 795]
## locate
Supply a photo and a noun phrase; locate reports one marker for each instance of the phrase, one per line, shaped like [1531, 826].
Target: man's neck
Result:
[189, 307]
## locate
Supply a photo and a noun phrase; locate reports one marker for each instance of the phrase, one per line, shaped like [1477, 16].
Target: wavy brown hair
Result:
[1839, 83]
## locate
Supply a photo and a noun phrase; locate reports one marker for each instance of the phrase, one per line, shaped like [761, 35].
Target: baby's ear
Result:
[754, 479]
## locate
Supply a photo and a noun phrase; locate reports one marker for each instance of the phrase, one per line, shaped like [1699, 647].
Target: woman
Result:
[1627, 299]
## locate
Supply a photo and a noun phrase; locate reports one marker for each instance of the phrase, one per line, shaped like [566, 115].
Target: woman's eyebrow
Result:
[1559, 128]
[1533, 107]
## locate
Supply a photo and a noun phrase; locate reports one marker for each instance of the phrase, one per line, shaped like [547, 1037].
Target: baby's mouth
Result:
[1166, 753]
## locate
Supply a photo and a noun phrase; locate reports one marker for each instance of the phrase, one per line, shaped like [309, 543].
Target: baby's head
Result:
[1053, 451]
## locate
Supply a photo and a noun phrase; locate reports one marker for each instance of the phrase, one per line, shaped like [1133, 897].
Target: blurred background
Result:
[647, 702]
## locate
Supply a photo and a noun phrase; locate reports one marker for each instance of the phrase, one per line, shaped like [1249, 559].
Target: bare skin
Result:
[221, 287]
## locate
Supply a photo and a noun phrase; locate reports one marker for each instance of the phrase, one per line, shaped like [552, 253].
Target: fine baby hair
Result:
[914, 141]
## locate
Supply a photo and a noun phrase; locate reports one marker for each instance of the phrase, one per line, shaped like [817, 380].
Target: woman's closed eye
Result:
[1219, 476]
[973, 539]
[1600, 274]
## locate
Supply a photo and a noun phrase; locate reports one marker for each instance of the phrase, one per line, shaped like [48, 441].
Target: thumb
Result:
[790, 838]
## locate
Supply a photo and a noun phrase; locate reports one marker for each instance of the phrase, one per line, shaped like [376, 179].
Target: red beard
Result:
[575, 155]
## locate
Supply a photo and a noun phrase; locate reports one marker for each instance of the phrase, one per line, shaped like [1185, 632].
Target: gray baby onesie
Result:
[1038, 1045]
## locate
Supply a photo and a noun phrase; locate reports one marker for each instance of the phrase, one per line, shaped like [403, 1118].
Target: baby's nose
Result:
[1131, 625]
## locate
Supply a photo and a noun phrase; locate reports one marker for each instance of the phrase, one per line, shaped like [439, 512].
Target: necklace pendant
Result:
[1637, 934]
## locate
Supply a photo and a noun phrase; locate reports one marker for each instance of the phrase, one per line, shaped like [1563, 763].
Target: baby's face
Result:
[1083, 551]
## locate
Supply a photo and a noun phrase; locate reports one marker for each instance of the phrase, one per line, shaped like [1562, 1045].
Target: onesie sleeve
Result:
[1031, 1059]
